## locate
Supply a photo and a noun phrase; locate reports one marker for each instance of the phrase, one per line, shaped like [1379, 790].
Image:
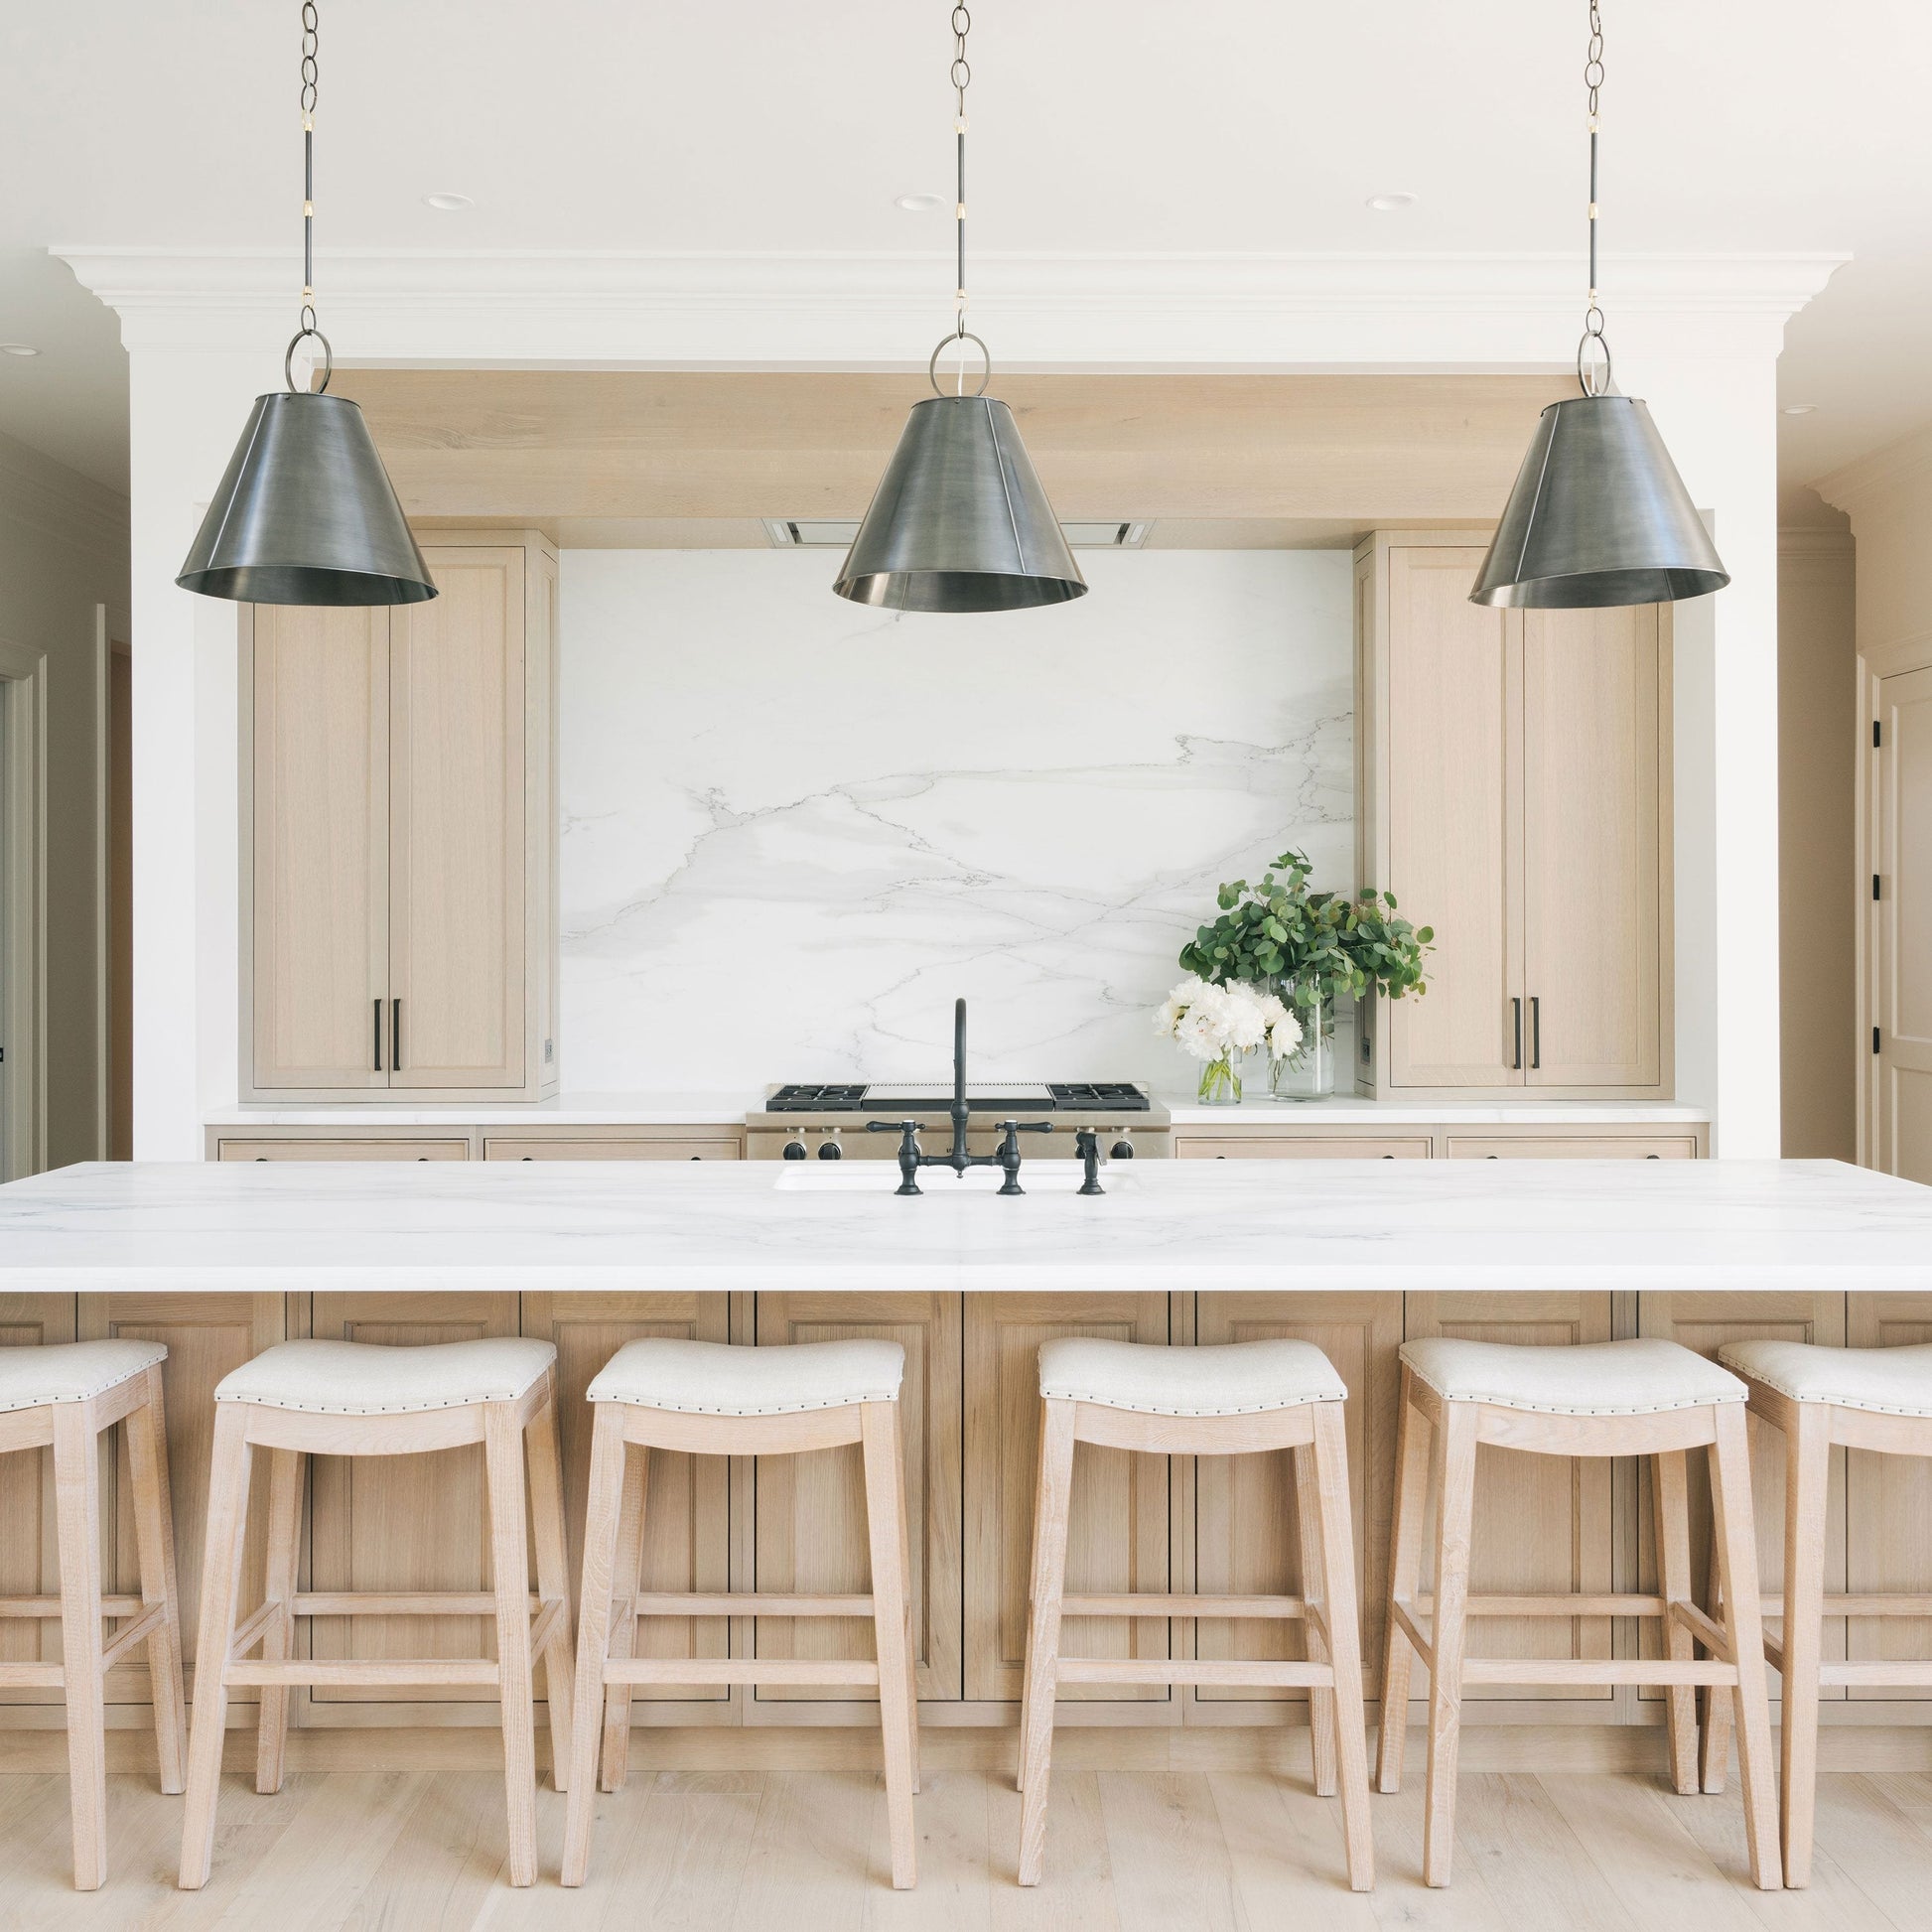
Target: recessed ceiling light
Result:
[18, 349]
[921, 203]
[1387, 204]
[447, 204]
[1799, 408]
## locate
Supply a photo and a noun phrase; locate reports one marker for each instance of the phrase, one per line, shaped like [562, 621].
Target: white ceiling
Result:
[1244, 126]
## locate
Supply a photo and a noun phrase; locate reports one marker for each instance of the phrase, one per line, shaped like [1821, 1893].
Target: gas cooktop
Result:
[982, 1097]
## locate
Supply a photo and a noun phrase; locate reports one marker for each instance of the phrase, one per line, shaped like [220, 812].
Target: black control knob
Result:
[830, 1150]
[794, 1149]
[1121, 1150]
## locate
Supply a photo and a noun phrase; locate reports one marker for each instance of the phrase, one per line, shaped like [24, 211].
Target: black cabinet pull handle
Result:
[1536, 1031]
[1516, 1016]
[378, 1036]
[395, 1036]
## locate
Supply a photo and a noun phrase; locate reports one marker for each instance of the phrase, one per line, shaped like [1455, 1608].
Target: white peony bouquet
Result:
[1215, 1022]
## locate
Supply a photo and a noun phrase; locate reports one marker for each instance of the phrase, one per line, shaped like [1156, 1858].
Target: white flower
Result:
[1284, 1034]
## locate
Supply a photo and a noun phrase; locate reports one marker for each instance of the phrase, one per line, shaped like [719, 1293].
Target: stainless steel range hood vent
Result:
[837, 533]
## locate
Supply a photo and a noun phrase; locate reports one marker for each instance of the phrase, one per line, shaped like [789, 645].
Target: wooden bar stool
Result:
[1876, 1399]
[1230, 1399]
[66, 1396]
[708, 1398]
[348, 1398]
[1614, 1398]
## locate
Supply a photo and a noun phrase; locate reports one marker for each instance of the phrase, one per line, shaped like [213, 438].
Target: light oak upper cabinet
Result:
[400, 815]
[1514, 796]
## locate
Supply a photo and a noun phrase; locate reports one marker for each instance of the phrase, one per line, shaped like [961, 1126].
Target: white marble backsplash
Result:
[795, 829]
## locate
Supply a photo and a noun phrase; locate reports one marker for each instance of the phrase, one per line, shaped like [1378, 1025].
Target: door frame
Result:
[23, 916]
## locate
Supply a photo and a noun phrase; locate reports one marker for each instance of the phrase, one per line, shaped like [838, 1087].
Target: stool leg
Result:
[1808, 1468]
[1322, 1702]
[1339, 1605]
[602, 1540]
[1405, 1572]
[1730, 1495]
[1033, 1586]
[1043, 1630]
[885, 1532]
[77, 1493]
[906, 1598]
[510, 1581]
[228, 1530]
[1455, 1463]
[1714, 1750]
[154, 1535]
[553, 1575]
[1673, 1500]
[615, 1760]
[285, 1471]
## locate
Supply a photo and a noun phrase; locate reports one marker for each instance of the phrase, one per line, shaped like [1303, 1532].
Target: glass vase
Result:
[1220, 1083]
[1308, 1073]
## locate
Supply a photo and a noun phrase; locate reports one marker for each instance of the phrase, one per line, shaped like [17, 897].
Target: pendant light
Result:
[305, 513]
[959, 521]
[1599, 516]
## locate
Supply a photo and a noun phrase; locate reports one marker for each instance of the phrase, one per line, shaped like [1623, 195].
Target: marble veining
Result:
[1738, 1226]
[796, 830]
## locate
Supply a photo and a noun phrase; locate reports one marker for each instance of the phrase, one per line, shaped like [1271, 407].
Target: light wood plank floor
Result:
[806, 1851]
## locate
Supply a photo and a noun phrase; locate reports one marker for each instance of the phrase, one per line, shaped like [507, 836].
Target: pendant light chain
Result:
[310, 43]
[960, 75]
[1595, 376]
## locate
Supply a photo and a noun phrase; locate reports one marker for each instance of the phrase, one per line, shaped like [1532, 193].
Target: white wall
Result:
[796, 829]
[63, 554]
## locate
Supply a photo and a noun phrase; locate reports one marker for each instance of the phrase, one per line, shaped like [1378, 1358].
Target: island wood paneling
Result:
[1120, 1512]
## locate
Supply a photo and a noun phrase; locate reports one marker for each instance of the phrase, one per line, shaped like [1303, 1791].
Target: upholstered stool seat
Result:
[1880, 1381]
[1644, 1377]
[1225, 1399]
[359, 1378]
[1236, 1378]
[713, 1378]
[72, 1371]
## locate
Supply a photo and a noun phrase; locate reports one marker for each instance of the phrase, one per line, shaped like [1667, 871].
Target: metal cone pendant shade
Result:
[307, 514]
[959, 521]
[1598, 516]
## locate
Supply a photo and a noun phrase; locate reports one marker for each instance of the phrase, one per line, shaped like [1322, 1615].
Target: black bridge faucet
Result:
[911, 1160]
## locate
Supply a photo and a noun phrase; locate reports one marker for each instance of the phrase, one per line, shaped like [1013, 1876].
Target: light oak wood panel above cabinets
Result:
[1513, 792]
[399, 829]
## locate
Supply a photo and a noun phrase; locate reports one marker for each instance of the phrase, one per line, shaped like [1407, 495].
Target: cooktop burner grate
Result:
[981, 1096]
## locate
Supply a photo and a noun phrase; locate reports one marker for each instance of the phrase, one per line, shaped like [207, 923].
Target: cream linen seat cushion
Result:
[716, 1378]
[70, 1371]
[361, 1378]
[1236, 1378]
[1593, 1378]
[1887, 1381]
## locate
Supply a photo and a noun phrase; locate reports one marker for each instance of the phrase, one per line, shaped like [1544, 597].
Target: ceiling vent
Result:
[837, 533]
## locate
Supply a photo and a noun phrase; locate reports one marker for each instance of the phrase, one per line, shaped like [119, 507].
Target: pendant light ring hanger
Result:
[308, 331]
[953, 341]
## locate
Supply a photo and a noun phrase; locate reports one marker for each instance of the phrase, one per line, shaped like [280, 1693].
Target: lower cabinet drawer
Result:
[344, 1150]
[1299, 1147]
[1566, 1147]
[721, 1147]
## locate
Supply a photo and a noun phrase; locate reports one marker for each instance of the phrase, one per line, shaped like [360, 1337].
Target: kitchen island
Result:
[220, 1260]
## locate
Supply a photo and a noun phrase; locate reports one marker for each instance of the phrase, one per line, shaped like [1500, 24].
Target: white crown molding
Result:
[874, 309]
[1877, 472]
[45, 497]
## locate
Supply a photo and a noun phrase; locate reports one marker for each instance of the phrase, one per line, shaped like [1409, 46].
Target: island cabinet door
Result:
[1544, 1524]
[810, 1510]
[1705, 1322]
[1889, 1517]
[205, 1335]
[687, 1503]
[1119, 1539]
[1245, 1506]
[401, 1522]
[28, 1567]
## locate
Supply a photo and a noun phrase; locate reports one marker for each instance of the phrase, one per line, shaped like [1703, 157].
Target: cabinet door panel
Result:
[402, 1522]
[1572, 1147]
[811, 1509]
[1543, 1522]
[1705, 1322]
[1120, 1510]
[457, 826]
[1245, 1506]
[206, 1335]
[1592, 890]
[352, 1150]
[687, 1510]
[694, 1147]
[1901, 927]
[321, 835]
[29, 1563]
[1455, 819]
[1299, 1147]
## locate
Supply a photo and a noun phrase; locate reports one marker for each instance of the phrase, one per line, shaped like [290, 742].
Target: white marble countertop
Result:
[1163, 1225]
